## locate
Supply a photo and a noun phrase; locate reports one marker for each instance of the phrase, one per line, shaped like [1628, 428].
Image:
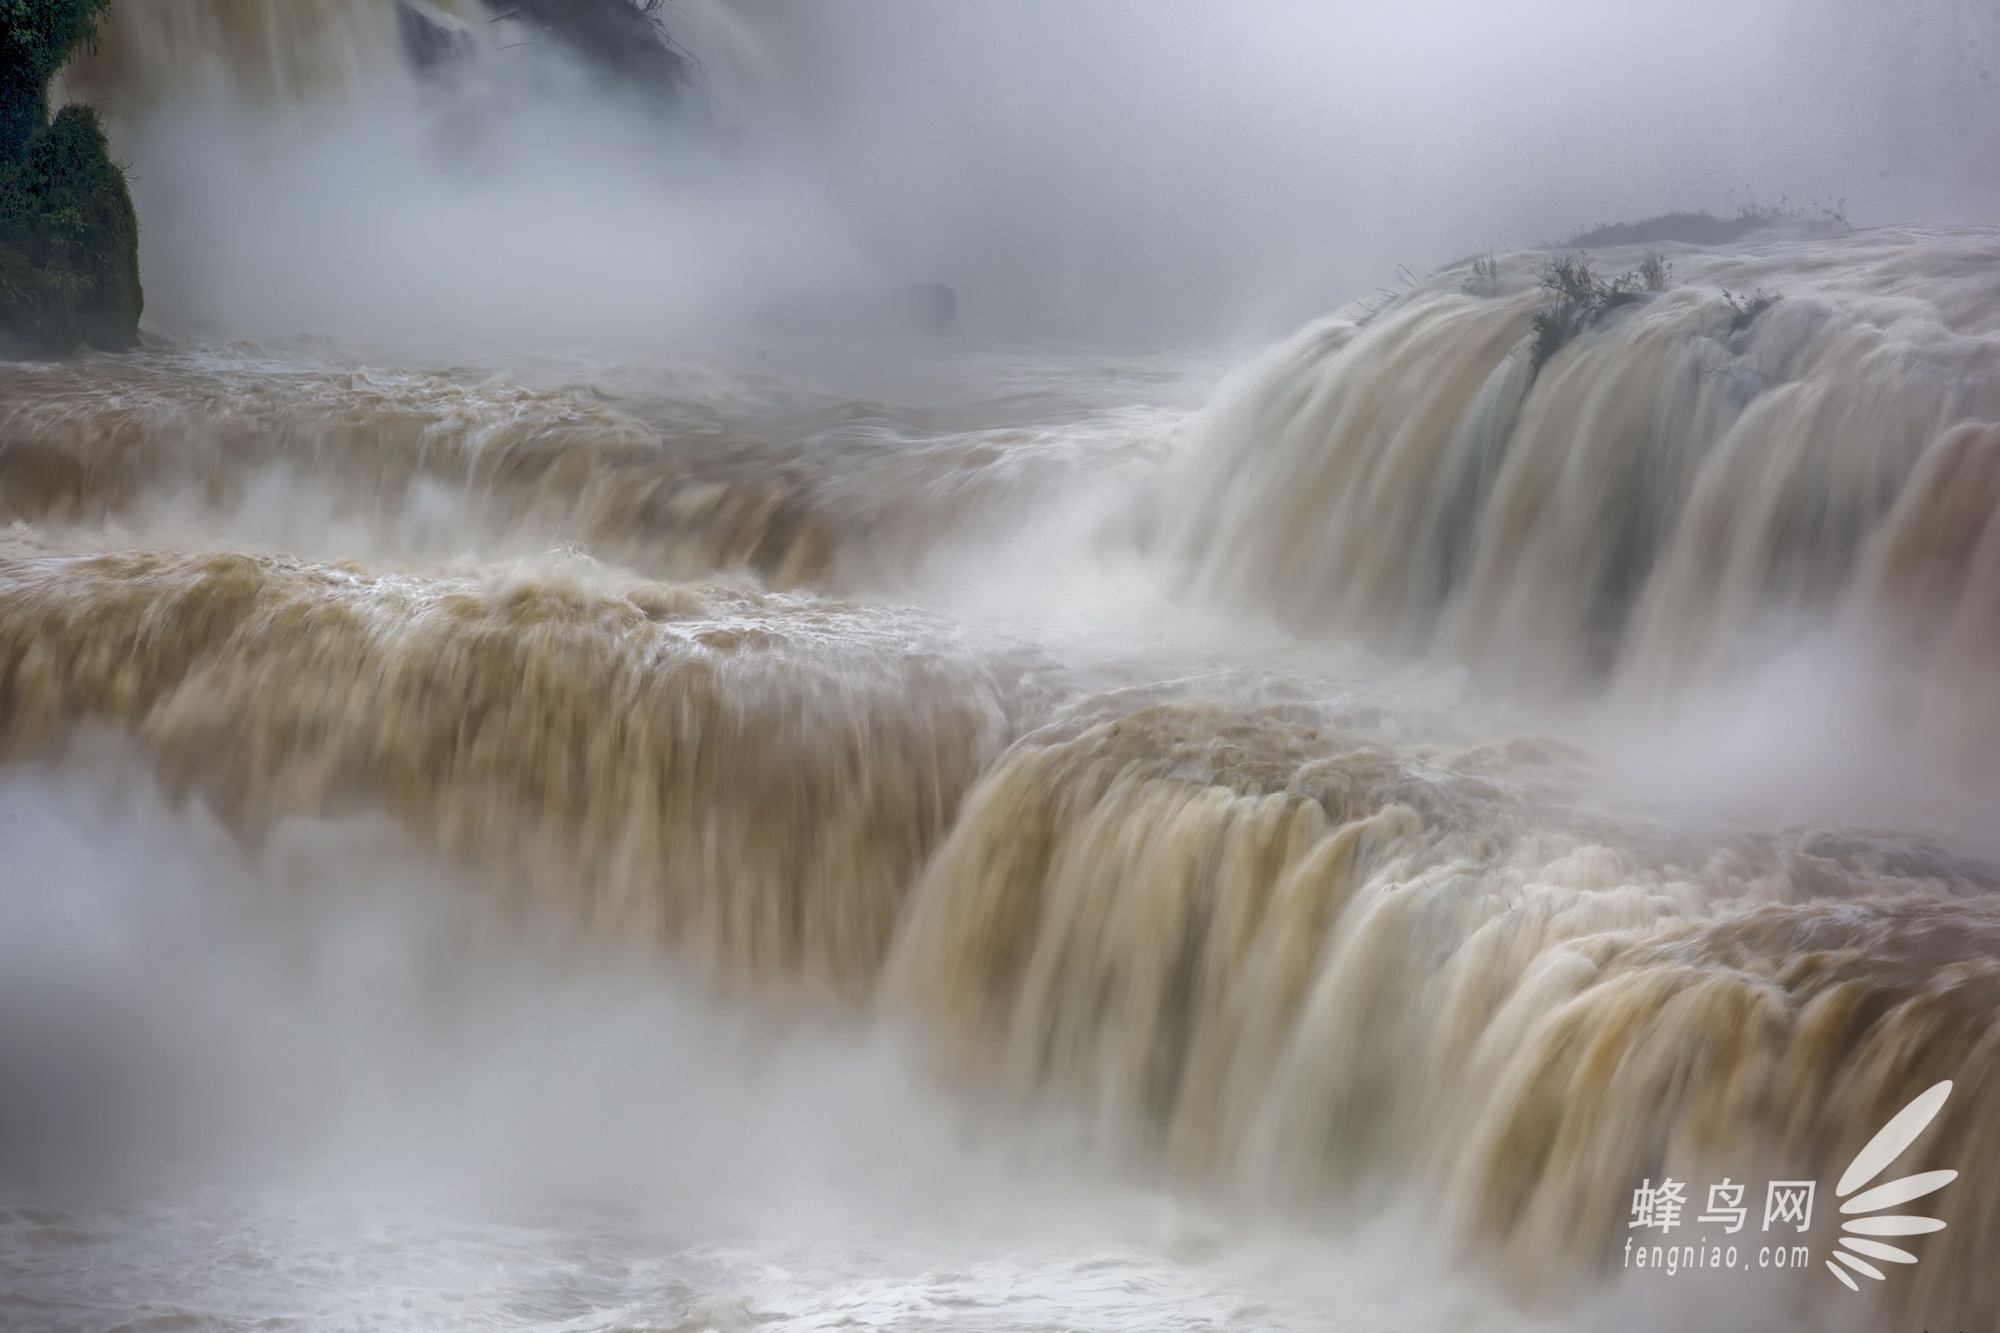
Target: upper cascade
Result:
[1627, 481]
[291, 51]
[266, 50]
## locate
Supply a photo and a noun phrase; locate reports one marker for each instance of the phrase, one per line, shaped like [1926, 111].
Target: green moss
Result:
[69, 240]
[37, 38]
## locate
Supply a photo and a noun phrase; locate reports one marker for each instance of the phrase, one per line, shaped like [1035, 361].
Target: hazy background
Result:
[1139, 169]
[1144, 165]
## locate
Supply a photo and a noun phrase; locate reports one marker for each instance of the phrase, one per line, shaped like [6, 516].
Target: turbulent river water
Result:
[998, 835]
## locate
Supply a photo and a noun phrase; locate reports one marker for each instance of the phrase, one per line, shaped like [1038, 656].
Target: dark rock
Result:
[619, 37]
[36, 39]
[432, 39]
[69, 242]
[1688, 228]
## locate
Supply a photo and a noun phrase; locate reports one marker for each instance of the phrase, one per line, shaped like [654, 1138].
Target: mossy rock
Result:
[69, 242]
[37, 38]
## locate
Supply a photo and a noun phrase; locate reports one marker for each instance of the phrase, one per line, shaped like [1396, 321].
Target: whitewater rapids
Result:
[954, 833]
[336, 696]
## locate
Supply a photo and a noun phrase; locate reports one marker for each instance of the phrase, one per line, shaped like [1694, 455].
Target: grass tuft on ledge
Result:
[1578, 298]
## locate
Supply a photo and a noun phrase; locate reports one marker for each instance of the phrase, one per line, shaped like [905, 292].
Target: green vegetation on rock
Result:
[1702, 228]
[1705, 228]
[69, 240]
[36, 39]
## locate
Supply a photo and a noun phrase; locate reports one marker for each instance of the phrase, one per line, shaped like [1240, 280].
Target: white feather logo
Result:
[1856, 1249]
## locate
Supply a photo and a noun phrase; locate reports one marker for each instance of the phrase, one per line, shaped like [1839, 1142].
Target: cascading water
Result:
[379, 735]
[274, 52]
[1697, 463]
[282, 54]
